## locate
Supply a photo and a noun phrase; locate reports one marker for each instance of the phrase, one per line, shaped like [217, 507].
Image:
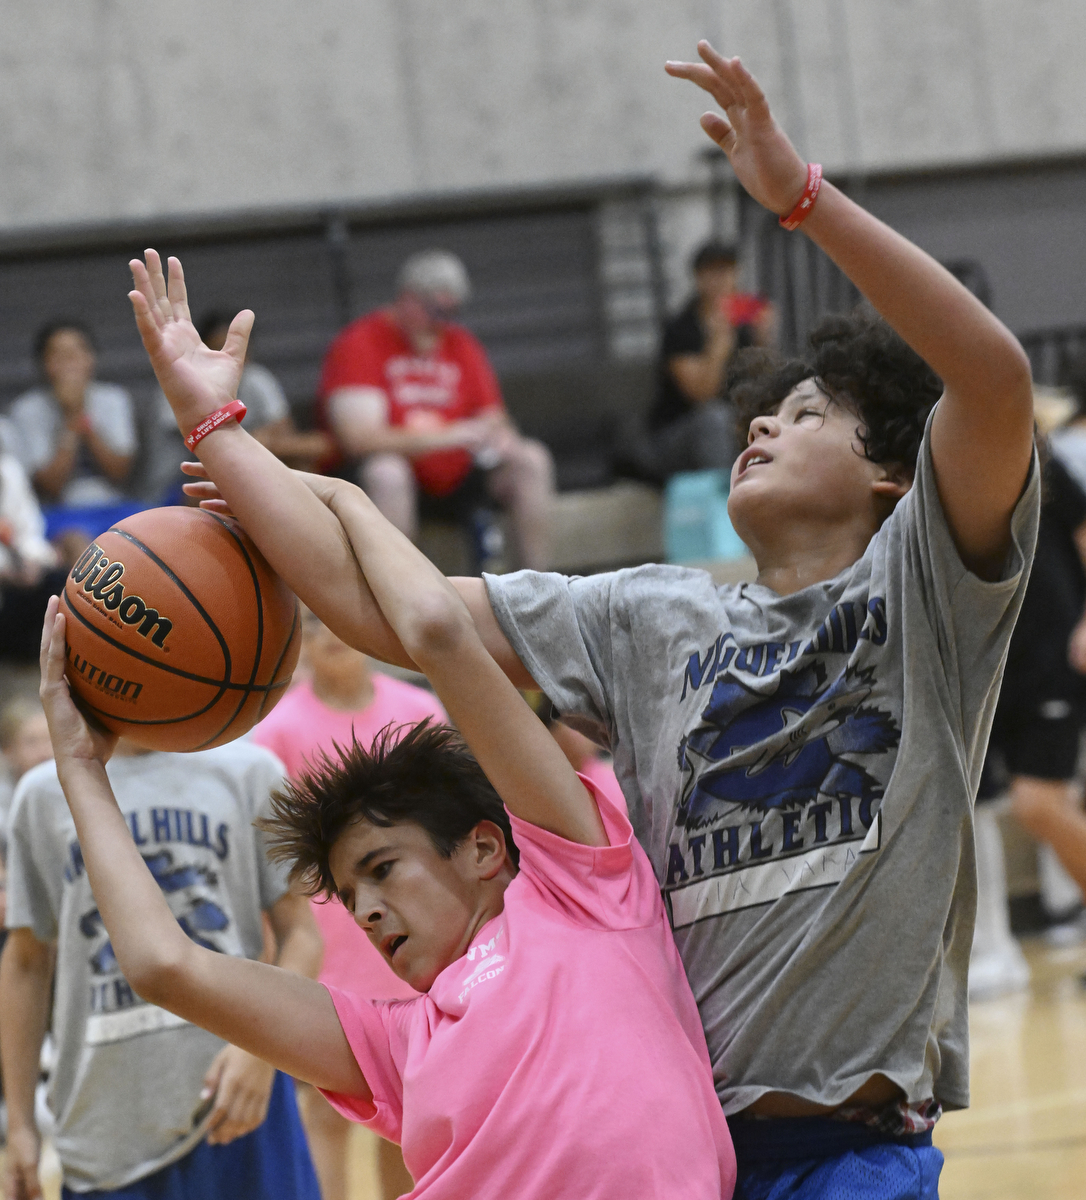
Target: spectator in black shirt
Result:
[691, 427]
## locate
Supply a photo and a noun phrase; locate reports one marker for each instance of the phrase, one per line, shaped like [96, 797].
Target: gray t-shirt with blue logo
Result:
[801, 770]
[125, 1091]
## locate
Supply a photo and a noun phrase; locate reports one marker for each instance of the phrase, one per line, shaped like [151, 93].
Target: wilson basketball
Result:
[179, 634]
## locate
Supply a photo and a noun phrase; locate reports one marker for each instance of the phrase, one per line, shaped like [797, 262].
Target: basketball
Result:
[179, 634]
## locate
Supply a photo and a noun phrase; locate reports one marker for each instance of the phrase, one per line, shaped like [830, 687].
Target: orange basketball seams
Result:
[179, 634]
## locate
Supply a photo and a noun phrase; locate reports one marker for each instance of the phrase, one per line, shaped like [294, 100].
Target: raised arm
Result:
[304, 543]
[982, 439]
[278, 1015]
[521, 759]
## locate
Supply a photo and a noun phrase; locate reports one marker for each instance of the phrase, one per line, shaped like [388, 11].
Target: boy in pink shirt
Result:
[557, 1052]
[343, 700]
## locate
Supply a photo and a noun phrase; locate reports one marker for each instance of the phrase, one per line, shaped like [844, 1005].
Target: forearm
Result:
[978, 359]
[284, 441]
[388, 439]
[24, 1015]
[421, 605]
[701, 376]
[301, 539]
[114, 466]
[148, 942]
[51, 478]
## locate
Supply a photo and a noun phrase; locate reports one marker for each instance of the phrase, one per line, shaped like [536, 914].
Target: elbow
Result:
[155, 976]
[436, 629]
[1014, 373]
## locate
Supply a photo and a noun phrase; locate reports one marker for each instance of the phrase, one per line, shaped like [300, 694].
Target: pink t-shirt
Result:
[602, 774]
[562, 1058]
[300, 724]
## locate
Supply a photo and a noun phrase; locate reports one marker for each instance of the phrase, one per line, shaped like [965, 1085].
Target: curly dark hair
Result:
[860, 362]
[427, 776]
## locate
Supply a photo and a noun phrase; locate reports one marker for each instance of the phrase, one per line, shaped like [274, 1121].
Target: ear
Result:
[891, 482]
[488, 851]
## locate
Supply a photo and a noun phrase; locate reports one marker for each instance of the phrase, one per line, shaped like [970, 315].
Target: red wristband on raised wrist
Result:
[229, 412]
[806, 202]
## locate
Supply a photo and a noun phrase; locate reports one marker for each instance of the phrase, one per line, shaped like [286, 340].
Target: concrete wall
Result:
[129, 108]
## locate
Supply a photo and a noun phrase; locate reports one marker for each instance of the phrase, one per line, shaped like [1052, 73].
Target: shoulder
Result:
[365, 328]
[30, 404]
[461, 341]
[108, 395]
[39, 790]
[243, 760]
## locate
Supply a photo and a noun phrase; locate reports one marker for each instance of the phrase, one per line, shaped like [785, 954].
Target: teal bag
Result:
[696, 523]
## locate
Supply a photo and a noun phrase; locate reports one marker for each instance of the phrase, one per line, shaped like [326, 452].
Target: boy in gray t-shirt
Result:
[137, 1094]
[800, 755]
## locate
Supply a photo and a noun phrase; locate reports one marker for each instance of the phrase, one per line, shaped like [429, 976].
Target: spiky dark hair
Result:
[863, 364]
[426, 775]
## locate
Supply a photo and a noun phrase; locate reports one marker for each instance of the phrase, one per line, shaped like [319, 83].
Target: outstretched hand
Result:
[72, 736]
[764, 160]
[195, 379]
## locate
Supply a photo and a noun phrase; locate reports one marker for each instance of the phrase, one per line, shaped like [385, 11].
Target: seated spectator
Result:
[268, 419]
[412, 395]
[29, 570]
[76, 437]
[691, 427]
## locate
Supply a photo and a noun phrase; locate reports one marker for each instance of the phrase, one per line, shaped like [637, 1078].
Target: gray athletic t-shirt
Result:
[801, 770]
[126, 1087]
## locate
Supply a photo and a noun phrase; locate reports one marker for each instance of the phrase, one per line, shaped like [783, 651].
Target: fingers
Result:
[202, 489]
[157, 280]
[241, 1104]
[52, 644]
[214, 1074]
[706, 79]
[744, 83]
[719, 130]
[237, 339]
[148, 322]
[142, 279]
[195, 468]
[176, 291]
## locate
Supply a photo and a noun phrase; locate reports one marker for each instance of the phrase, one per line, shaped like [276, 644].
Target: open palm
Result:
[196, 380]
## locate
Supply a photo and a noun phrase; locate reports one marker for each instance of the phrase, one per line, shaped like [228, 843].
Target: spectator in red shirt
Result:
[413, 396]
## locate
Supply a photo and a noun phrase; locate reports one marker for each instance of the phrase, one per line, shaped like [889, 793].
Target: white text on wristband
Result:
[235, 410]
[806, 202]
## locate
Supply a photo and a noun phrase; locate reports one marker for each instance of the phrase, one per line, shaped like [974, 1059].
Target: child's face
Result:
[419, 909]
[805, 466]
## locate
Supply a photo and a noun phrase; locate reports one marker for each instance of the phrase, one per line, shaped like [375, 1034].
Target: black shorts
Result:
[1038, 738]
[459, 505]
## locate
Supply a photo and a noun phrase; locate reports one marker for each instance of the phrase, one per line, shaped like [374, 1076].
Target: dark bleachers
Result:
[541, 304]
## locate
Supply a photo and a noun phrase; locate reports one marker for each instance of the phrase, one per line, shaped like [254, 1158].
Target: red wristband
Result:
[806, 202]
[228, 412]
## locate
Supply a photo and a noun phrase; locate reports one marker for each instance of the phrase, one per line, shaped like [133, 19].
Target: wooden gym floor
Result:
[1024, 1138]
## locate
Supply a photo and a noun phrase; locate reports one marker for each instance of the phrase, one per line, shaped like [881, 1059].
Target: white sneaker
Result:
[998, 973]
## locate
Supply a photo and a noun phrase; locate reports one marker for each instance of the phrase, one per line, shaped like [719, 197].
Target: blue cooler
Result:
[696, 523]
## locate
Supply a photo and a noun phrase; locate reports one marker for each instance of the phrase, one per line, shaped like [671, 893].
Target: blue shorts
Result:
[819, 1159]
[271, 1162]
